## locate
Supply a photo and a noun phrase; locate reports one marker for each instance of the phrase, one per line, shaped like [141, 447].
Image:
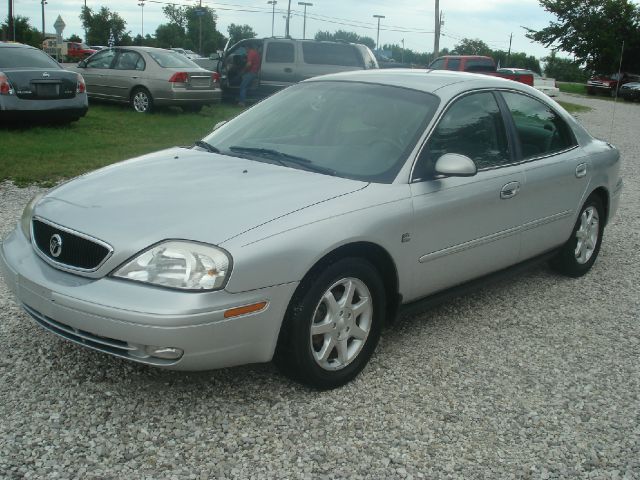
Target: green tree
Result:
[240, 32]
[187, 26]
[99, 24]
[25, 33]
[516, 60]
[564, 69]
[472, 46]
[170, 35]
[593, 31]
[74, 38]
[345, 36]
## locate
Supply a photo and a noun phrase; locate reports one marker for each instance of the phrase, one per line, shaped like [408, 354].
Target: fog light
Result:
[166, 353]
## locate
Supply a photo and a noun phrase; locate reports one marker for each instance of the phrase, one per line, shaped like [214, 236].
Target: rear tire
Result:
[333, 324]
[579, 253]
[141, 100]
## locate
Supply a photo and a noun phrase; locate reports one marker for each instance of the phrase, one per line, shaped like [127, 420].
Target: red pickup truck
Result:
[477, 64]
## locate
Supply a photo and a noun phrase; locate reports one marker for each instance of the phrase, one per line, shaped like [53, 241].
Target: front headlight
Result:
[27, 215]
[179, 264]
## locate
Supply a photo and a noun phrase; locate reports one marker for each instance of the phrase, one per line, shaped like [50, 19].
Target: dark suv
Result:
[286, 61]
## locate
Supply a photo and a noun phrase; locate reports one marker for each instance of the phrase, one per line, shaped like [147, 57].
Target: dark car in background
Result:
[34, 86]
[286, 61]
[146, 77]
[630, 91]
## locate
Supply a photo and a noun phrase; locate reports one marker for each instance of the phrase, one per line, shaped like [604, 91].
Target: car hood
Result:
[184, 194]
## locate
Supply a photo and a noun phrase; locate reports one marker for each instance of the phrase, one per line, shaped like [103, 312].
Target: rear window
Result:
[16, 57]
[331, 54]
[171, 59]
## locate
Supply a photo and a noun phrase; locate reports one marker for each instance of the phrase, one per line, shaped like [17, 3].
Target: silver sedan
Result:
[295, 230]
[146, 77]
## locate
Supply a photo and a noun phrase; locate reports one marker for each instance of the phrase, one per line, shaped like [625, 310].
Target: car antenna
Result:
[615, 99]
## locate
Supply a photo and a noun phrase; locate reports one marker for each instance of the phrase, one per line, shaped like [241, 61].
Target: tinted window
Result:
[15, 57]
[453, 64]
[129, 61]
[279, 52]
[360, 131]
[479, 65]
[540, 130]
[331, 54]
[101, 59]
[167, 59]
[437, 64]
[472, 126]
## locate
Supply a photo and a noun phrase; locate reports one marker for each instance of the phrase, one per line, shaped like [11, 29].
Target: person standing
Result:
[251, 69]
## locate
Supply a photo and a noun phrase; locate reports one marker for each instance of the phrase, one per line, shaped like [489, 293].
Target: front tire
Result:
[333, 324]
[141, 100]
[578, 255]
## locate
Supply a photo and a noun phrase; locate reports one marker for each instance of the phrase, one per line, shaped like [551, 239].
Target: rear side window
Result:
[129, 61]
[479, 65]
[279, 52]
[541, 131]
[453, 64]
[17, 57]
[331, 54]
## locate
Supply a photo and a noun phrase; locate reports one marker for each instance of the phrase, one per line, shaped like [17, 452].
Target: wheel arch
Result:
[603, 194]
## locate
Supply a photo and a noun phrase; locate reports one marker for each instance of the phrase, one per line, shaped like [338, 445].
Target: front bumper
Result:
[121, 318]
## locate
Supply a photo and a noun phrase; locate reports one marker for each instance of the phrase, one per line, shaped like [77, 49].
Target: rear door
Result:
[128, 68]
[278, 68]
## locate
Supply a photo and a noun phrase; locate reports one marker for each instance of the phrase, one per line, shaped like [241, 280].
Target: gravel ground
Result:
[534, 377]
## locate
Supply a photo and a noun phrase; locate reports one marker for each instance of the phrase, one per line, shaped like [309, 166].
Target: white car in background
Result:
[190, 54]
[546, 85]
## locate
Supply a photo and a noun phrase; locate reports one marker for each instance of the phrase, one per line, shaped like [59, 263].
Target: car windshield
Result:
[167, 59]
[16, 57]
[353, 130]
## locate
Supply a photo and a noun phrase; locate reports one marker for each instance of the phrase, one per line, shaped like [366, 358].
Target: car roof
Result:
[424, 80]
[15, 45]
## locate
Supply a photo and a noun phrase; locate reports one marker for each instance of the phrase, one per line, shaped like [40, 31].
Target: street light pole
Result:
[304, 24]
[273, 3]
[286, 32]
[378, 35]
[141, 5]
[43, 2]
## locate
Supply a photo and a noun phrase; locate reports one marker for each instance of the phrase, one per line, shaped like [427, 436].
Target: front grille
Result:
[76, 251]
[91, 340]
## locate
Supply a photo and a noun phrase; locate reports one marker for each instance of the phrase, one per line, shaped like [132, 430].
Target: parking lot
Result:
[536, 376]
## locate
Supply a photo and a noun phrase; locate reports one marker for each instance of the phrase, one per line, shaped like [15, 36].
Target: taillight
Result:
[215, 77]
[82, 87]
[179, 77]
[5, 86]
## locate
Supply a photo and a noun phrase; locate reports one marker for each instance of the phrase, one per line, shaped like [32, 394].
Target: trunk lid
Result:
[38, 83]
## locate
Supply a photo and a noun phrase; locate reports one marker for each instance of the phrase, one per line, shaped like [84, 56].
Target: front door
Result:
[466, 227]
[96, 73]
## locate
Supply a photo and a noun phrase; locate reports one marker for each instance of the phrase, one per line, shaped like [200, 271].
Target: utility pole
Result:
[286, 30]
[43, 2]
[273, 3]
[402, 57]
[141, 5]
[200, 34]
[10, 22]
[509, 52]
[85, 30]
[436, 40]
[304, 24]
[378, 35]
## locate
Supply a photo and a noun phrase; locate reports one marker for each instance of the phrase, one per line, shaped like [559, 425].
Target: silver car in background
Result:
[146, 77]
[296, 229]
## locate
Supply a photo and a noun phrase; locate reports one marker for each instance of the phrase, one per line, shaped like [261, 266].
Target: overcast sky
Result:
[412, 20]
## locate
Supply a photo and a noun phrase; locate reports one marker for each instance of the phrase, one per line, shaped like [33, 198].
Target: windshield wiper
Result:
[283, 159]
[207, 146]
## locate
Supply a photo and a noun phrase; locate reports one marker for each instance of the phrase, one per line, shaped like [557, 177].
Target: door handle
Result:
[135, 76]
[510, 190]
[581, 170]
[288, 70]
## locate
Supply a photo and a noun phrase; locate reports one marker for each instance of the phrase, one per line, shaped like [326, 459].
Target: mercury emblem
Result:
[55, 245]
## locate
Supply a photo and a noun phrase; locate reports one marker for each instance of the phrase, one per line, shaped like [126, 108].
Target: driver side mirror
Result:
[455, 165]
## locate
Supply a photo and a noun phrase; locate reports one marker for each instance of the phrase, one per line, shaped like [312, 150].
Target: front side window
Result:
[540, 130]
[279, 52]
[101, 59]
[330, 54]
[353, 130]
[473, 127]
[129, 61]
